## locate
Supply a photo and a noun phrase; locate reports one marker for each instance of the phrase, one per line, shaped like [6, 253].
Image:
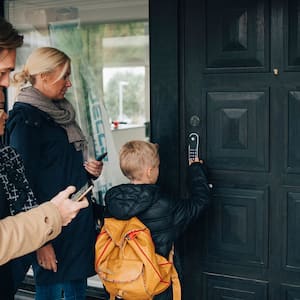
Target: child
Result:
[166, 217]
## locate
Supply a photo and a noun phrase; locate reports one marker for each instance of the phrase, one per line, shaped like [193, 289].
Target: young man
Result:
[165, 216]
[28, 231]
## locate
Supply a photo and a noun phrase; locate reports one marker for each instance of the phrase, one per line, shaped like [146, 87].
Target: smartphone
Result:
[101, 156]
[81, 193]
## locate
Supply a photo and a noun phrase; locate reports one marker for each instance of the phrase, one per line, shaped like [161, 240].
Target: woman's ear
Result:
[44, 77]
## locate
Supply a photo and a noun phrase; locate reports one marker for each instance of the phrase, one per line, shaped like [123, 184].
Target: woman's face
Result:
[51, 86]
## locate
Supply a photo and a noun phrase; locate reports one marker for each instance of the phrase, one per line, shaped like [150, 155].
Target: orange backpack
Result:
[127, 264]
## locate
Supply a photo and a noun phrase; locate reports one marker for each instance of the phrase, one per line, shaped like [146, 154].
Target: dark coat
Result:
[15, 196]
[166, 217]
[52, 164]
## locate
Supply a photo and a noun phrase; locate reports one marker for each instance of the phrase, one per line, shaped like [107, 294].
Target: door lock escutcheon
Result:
[194, 121]
[276, 71]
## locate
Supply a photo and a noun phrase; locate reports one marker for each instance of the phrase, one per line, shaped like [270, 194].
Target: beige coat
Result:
[28, 231]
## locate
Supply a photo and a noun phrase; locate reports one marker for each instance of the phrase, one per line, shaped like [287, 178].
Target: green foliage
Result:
[133, 97]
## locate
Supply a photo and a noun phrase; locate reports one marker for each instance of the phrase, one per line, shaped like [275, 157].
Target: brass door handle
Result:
[276, 71]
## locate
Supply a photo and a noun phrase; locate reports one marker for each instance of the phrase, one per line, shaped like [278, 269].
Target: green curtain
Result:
[84, 46]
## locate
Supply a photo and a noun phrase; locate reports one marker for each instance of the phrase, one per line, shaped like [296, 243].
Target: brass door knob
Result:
[275, 71]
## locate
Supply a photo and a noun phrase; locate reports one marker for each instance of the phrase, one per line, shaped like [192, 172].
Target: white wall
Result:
[123, 135]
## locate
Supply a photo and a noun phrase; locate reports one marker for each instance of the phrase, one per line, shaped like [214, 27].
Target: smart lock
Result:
[193, 145]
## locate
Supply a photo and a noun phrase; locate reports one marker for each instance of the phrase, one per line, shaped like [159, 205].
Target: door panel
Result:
[289, 292]
[224, 287]
[291, 22]
[238, 220]
[236, 36]
[237, 129]
[242, 81]
[293, 155]
[291, 236]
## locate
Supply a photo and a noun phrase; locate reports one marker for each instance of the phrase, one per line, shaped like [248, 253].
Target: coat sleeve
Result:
[26, 232]
[188, 210]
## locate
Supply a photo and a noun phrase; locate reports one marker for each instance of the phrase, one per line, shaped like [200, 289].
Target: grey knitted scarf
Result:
[61, 111]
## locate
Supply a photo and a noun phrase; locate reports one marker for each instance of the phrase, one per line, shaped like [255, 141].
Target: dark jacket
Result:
[51, 164]
[15, 196]
[166, 217]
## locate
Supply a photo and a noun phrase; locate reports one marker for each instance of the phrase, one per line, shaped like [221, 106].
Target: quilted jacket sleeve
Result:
[188, 210]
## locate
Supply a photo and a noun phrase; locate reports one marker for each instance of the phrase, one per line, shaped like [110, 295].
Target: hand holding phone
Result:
[81, 193]
[101, 156]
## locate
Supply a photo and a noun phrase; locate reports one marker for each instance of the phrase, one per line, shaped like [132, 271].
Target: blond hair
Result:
[135, 156]
[42, 60]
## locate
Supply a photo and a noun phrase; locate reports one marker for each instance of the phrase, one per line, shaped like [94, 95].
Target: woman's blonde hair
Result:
[135, 156]
[42, 60]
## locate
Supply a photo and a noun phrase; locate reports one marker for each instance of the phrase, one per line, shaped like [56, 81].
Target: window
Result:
[125, 55]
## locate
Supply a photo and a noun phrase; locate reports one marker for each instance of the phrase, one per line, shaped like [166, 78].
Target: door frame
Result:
[165, 94]
[167, 100]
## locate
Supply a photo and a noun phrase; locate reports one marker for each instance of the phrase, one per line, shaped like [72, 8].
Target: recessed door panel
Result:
[290, 292]
[291, 236]
[237, 127]
[236, 36]
[291, 34]
[222, 287]
[293, 159]
[239, 220]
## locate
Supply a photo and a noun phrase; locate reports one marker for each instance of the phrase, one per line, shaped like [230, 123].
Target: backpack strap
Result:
[176, 287]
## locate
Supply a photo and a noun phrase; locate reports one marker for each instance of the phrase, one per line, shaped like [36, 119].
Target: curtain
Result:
[83, 45]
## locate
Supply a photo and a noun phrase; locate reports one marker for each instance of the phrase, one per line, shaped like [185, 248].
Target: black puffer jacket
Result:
[166, 217]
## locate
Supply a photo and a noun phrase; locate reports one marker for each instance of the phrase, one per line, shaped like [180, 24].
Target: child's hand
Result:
[196, 159]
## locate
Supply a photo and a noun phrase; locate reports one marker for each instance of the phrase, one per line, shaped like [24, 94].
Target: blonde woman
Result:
[42, 128]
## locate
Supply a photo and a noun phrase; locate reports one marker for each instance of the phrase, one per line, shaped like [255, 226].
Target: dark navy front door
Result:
[241, 79]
